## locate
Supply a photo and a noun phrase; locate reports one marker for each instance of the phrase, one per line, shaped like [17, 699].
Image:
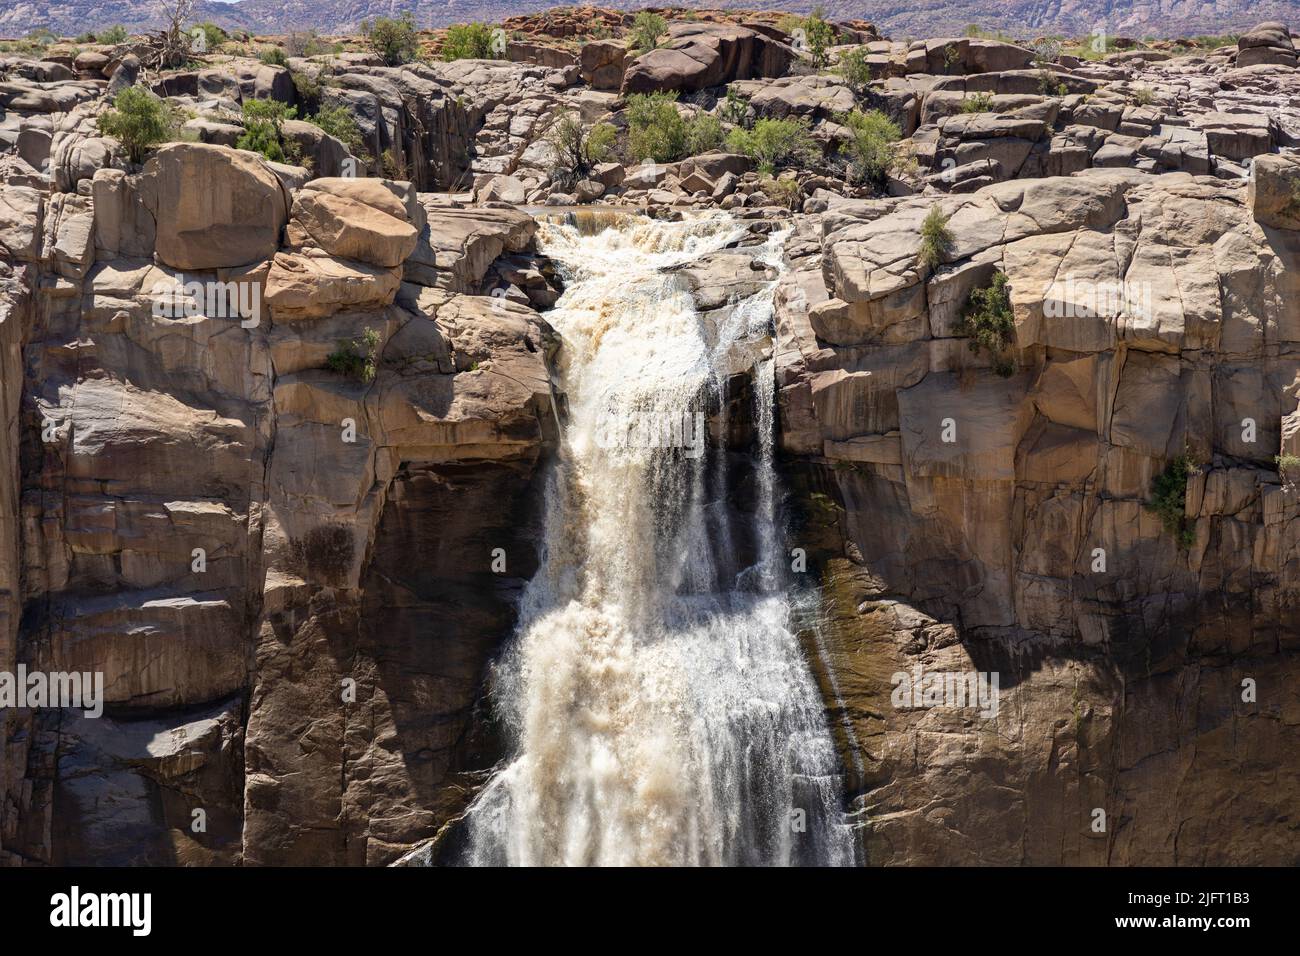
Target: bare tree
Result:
[172, 46]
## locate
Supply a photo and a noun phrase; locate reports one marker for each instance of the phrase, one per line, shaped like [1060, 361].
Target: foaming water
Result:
[659, 706]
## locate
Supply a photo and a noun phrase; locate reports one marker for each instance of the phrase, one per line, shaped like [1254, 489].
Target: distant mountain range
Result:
[917, 18]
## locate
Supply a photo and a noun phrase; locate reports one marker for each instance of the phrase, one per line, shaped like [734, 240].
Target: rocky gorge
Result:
[277, 434]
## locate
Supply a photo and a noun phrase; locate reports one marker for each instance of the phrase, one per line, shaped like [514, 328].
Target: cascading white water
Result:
[658, 703]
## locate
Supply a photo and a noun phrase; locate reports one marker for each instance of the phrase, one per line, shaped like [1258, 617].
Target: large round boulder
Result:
[215, 207]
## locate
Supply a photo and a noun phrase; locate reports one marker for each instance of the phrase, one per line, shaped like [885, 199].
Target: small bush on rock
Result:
[469, 41]
[273, 56]
[574, 150]
[263, 130]
[870, 150]
[936, 238]
[338, 122]
[775, 144]
[990, 324]
[1169, 499]
[139, 121]
[648, 29]
[657, 131]
[854, 70]
[356, 358]
[113, 35]
[392, 40]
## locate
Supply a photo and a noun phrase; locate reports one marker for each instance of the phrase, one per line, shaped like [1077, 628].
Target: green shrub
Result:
[273, 56]
[989, 323]
[854, 70]
[308, 43]
[775, 143]
[1169, 499]
[936, 238]
[870, 147]
[951, 57]
[647, 30]
[393, 40]
[308, 87]
[819, 36]
[112, 35]
[338, 122]
[734, 109]
[1050, 85]
[260, 137]
[356, 358]
[703, 134]
[977, 103]
[263, 130]
[574, 150]
[139, 121]
[86, 37]
[468, 41]
[1143, 96]
[655, 129]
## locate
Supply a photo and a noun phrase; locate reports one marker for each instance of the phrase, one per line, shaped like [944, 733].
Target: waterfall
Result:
[656, 698]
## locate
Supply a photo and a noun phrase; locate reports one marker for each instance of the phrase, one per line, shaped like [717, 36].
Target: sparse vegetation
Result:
[936, 238]
[775, 144]
[1049, 84]
[1169, 499]
[138, 120]
[264, 132]
[977, 103]
[308, 43]
[648, 29]
[575, 150]
[734, 109]
[951, 56]
[114, 34]
[393, 40]
[987, 320]
[273, 56]
[356, 358]
[469, 41]
[784, 190]
[658, 131]
[820, 35]
[854, 70]
[870, 151]
[1143, 95]
[338, 122]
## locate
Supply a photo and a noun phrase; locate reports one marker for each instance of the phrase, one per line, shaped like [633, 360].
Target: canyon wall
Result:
[973, 522]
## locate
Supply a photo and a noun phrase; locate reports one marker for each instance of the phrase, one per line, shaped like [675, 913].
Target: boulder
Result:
[1268, 44]
[349, 229]
[303, 286]
[700, 55]
[1273, 193]
[601, 63]
[215, 207]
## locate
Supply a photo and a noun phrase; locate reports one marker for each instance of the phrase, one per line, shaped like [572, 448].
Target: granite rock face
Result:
[203, 511]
